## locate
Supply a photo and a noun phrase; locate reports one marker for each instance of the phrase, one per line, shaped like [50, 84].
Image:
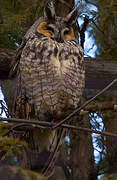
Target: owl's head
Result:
[57, 28]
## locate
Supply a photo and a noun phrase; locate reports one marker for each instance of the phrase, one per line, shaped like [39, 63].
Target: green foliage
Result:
[109, 177]
[3, 129]
[10, 145]
[107, 22]
[16, 17]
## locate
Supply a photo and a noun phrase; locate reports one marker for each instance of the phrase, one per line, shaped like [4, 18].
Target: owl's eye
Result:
[45, 29]
[50, 28]
[66, 31]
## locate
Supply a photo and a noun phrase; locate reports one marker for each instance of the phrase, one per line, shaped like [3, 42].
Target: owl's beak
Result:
[59, 38]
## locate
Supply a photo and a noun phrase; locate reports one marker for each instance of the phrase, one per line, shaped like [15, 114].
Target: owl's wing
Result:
[29, 34]
[15, 62]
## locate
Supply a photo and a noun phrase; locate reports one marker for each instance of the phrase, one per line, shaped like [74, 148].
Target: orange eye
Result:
[42, 29]
[69, 34]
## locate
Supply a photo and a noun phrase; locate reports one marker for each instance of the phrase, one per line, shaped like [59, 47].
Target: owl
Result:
[51, 74]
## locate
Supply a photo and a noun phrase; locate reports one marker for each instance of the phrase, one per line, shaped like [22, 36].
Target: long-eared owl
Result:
[51, 67]
[50, 76]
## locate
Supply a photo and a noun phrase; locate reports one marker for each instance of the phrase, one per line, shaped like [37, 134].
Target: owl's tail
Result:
[50, 163]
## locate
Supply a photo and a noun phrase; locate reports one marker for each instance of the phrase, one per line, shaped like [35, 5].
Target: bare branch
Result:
[85, 104]
[37, 124]
[104, 133]
[101, 106]
[99, 72]
[83, 30]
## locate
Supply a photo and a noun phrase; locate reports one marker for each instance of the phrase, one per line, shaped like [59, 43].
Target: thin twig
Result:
[20, 125]
[28, 122]
[104, 133]
[97, 26]
[49, 125]
[85, 104]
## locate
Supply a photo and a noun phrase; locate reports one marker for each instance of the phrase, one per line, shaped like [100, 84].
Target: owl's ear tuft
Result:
[72, 16]
[49, 12]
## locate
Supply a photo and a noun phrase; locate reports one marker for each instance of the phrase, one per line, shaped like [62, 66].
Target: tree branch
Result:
[85, 104]
[99, 72]
[102, 106]
[27, 124]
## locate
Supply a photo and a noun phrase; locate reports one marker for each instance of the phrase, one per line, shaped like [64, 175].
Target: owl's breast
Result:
[52, 74]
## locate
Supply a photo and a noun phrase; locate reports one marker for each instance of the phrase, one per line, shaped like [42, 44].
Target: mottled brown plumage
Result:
[50, 75]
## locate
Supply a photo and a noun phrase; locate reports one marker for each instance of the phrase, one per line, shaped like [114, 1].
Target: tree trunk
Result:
[110, 124]
[82, 159]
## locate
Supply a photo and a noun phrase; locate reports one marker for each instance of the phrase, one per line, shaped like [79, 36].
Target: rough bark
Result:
[99, 72]
[109, 144]
[110, 124]
[82, 153]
